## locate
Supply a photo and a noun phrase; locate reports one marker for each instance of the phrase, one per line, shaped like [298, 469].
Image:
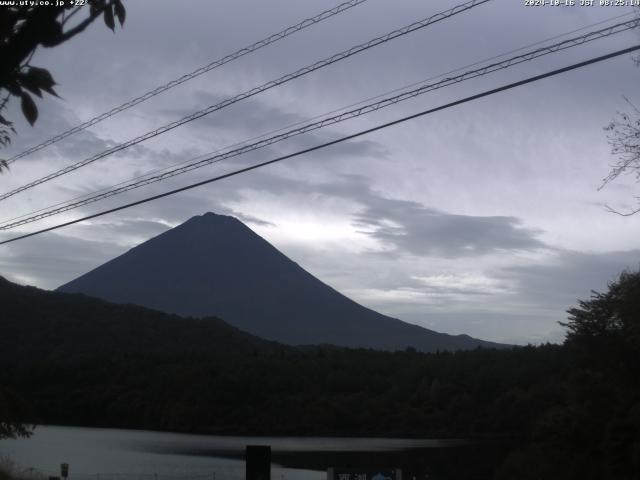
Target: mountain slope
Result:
[215, 265]
[38, 324]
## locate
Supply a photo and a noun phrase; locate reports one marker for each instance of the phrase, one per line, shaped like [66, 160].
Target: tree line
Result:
[555, 411]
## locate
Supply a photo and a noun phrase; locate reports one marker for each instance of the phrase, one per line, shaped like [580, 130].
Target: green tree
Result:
[24, 28]
[614, 314]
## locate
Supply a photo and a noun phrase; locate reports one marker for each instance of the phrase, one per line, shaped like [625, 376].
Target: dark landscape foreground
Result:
[570, 411]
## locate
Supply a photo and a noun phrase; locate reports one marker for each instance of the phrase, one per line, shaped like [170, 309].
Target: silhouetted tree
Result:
[12, 409]
[624, 139]
[613, 314]
[23, 28]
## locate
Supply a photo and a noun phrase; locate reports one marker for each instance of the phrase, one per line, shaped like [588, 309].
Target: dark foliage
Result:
[613, 315]
[38, 324]
[12, 410]
[570, 411]
[24, 28]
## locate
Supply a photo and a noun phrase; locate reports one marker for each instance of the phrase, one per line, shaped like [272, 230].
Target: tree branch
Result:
[80, 27]
[622, 214]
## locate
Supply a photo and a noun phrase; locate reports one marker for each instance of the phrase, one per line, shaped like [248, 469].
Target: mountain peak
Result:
[211, 216]
[210, 219]
[214, 265]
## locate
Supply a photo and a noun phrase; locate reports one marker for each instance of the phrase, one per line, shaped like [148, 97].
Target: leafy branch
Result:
[22, 30]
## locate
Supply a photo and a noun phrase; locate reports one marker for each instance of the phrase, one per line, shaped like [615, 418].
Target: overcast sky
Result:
[483, 219]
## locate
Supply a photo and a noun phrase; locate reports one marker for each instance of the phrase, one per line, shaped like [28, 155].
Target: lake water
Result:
[110, 454]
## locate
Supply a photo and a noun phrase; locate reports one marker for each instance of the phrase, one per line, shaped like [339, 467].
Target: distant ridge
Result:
[39, 324]
[214, 265]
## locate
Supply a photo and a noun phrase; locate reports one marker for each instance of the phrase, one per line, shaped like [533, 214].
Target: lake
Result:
[113, 454]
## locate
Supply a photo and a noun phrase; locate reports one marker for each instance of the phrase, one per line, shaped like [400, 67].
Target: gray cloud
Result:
[558, 282]
[529, 301]
[251, 115]
[51, 260]
[55, 117]
[482, 219]
[410, 227]
[250, 219]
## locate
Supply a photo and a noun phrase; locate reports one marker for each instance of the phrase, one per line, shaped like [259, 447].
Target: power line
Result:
[4, 224]
[200, 162]
[328, 121]
[254, 91]
[339, 140]
[315, 117]
[195, 73]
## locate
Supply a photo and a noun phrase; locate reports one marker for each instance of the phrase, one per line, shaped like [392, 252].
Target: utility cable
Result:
[336, 141]
[200, 162]
[195, 73]
[254, 91]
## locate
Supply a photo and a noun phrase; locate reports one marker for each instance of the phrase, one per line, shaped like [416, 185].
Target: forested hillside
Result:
[38, 324]
[570, 411]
